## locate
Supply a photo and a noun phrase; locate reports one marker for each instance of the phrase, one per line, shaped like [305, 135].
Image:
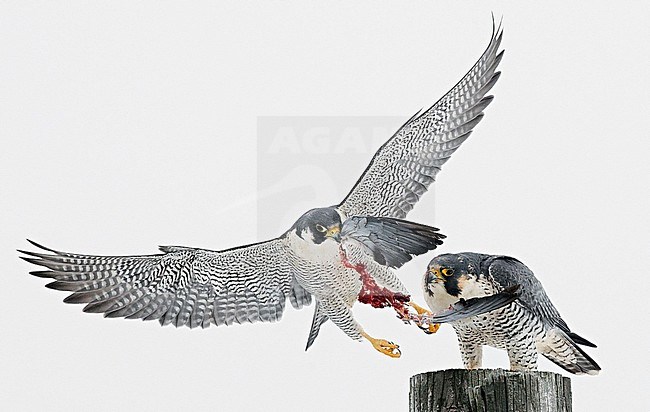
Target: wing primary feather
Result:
[477, 306]
[162, 305]
[580, 340]
[184, 286]
[66, 286]
[383, 189]
[127, 304]
[96, 295]
[145, 310]
[42, 247]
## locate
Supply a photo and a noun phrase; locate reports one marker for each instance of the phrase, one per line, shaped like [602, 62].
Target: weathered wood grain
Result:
[489, 390]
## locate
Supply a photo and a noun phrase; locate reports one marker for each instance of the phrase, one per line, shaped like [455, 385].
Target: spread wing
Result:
[181, 286]
[406, 165]
[391, 242]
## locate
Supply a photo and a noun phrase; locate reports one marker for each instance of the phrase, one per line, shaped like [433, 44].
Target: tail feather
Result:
[559, 348]
[317, 322]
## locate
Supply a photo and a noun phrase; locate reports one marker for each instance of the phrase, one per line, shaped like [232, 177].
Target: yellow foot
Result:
[384, 346]
[433, 328]
[428, 329]
[419, 309]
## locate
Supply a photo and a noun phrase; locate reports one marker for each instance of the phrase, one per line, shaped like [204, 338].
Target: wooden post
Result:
[489, 390]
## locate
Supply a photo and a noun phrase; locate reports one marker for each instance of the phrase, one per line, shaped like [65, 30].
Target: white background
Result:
[127, 124]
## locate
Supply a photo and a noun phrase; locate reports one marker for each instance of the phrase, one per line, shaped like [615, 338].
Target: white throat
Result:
[305, 247]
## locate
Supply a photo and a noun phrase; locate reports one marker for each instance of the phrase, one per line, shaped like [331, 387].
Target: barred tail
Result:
[558, 347]
[317, 322]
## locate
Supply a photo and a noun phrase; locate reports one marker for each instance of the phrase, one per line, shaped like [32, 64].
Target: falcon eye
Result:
[321, 228]
[448, 272]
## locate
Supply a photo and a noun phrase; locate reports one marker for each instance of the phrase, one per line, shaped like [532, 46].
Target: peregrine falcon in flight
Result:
[525, 327]
[336, 254]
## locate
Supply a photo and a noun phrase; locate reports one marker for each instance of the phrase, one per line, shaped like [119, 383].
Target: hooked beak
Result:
[334, 232]
[434, 276]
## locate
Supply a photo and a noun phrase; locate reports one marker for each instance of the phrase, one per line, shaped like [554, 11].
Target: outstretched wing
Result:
[181, 286]
[404, 167]
[391, 242]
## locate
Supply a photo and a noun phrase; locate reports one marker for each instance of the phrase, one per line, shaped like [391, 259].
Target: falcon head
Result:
[319, 225]
[451, 271]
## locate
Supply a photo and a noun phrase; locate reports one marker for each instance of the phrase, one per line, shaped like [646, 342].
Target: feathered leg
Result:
[338, 311]
[472, 355]
[523, 355]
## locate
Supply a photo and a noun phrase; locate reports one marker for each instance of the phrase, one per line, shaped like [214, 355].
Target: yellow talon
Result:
[432, 328]
[419, 309]
[387, 348]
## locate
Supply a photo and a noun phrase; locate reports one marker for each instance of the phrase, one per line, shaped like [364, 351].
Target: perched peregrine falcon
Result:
[335, 254]
[523, 328]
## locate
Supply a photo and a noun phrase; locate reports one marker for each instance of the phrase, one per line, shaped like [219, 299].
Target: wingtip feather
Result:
[580, 340]
[47, 274]
[62, 285]
[34, 254]
[41, 246]
[32, 260]
[74, 298]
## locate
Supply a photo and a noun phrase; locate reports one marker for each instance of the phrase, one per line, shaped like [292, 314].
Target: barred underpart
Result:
[524, 328]
[193, 287]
